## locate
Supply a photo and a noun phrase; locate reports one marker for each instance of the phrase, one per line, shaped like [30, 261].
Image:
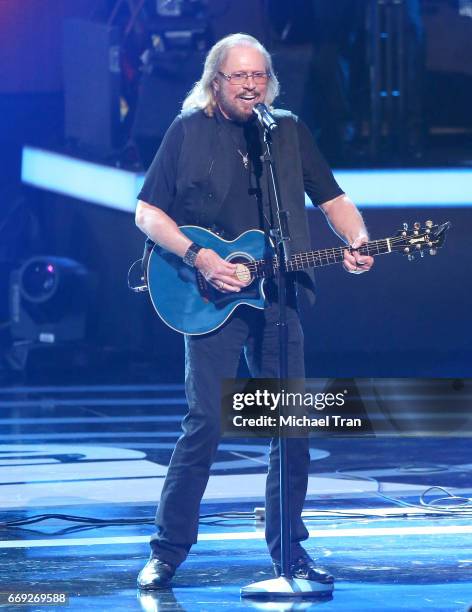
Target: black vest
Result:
[204, 178]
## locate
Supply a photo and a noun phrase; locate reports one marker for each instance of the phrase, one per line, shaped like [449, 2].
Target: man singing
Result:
[208, 172]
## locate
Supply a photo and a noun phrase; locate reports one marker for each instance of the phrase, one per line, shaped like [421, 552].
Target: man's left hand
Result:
[356, 263]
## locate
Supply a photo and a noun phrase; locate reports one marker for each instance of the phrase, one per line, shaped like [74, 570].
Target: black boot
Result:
[156, 574]
[304, 567]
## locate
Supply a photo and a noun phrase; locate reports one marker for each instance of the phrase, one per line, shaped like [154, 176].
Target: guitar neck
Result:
[322, 257]
[326, 257]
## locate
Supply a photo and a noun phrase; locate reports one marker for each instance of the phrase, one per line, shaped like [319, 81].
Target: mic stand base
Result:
[283, 587]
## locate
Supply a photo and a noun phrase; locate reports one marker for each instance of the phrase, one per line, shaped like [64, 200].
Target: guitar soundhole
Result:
[242, 271]
[219, 299]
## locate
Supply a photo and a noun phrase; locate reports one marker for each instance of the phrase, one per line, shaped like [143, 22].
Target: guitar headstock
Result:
[420, 239]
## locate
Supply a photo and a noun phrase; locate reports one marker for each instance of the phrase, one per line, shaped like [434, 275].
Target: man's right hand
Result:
[163, 230]
[218, 272]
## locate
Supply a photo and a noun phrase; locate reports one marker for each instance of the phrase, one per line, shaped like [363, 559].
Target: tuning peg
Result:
[416, 225]
[421, 253]
[405, 226]
[411, 257]
[433, 251]
[429, 224]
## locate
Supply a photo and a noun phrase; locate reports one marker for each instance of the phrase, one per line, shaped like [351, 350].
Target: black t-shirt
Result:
[242, 208]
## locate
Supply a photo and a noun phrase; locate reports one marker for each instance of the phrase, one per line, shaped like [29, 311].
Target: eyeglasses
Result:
[239, 78]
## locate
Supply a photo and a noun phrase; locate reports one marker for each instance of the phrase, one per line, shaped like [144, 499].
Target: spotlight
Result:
[49, 299]
[179, 8]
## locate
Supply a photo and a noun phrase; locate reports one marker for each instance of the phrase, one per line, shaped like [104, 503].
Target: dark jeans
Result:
[210, 358]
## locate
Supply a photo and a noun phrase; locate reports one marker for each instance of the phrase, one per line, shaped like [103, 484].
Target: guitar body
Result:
[188, 304]
[181, 296]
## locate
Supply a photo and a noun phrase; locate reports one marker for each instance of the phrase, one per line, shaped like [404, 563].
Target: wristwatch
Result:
[191, 254]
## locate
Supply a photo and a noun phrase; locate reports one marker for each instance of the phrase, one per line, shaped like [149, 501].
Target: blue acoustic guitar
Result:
[188, 304]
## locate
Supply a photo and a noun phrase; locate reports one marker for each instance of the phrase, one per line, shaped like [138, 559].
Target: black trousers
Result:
[210, 358]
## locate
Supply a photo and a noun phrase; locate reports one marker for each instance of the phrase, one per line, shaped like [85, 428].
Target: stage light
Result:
[117, 188]
[49, 298]
[169, 8]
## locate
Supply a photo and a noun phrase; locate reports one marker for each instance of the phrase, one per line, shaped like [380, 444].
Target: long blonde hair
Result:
[202, 96]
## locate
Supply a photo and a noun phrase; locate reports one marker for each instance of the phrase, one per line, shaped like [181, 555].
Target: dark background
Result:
[403, 319]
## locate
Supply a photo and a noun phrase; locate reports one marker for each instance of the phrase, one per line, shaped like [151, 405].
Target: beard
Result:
[235, 110]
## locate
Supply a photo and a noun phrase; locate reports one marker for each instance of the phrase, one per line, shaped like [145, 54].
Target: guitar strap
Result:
[148, 246]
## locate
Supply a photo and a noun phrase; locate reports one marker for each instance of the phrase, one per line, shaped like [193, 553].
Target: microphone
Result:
[265, 118]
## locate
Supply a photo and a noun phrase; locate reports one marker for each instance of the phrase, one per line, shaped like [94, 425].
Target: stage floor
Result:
[101, 452]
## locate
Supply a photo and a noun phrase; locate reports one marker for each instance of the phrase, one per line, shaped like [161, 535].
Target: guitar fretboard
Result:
[314, 259]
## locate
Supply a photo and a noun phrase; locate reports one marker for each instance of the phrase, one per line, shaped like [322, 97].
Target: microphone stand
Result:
[285, 585]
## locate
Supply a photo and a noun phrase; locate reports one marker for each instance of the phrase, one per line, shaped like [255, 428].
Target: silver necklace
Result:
[245, 159]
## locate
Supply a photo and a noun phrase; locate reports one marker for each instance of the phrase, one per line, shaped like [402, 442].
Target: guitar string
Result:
[336, 251]
[327, 256]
